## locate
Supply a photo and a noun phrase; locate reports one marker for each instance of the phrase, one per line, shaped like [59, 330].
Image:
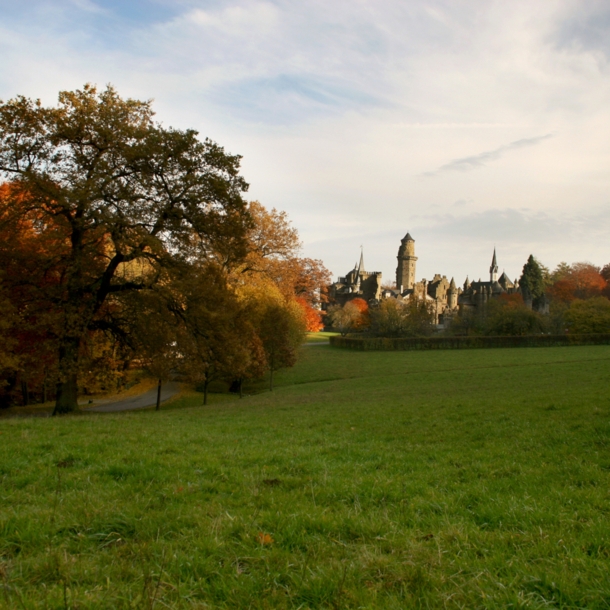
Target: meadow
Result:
[457, 479]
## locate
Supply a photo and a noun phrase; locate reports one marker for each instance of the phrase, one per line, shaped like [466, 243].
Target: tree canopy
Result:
[122, 240]
[576, 281]
[111, 196]
[409, 318]
[590, 316]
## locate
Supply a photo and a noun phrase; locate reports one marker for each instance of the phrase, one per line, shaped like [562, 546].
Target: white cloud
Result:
[339, 108]
[476, 161]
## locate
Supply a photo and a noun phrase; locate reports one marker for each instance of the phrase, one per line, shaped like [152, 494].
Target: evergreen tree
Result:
[532, 282]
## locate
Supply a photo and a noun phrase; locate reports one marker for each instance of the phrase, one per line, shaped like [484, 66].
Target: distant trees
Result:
[394, 318]
[577, 281]
[508, 315]
[574, 298]
[568, 285]
[344, 318]
[605, 273]
[313, 316]
[590, 316]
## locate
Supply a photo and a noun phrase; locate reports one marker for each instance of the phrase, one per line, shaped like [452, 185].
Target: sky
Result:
[469, 124]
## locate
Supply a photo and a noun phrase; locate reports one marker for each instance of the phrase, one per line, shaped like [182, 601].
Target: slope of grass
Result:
[320, 337]
[467, 479]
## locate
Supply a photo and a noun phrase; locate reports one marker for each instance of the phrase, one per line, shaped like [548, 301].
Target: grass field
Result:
[459, 479]
[320, 337]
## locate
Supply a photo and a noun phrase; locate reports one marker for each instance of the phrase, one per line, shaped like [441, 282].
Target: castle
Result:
[443, 296]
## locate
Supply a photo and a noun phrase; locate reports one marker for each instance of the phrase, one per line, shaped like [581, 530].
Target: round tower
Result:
[452, 295]
[405, 272]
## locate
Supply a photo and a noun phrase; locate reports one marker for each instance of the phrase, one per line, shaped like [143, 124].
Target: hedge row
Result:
[419, 343]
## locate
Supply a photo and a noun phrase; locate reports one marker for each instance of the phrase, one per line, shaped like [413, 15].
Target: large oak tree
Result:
[126, 193]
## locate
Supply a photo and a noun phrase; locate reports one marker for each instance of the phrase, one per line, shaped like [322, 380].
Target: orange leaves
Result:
[364, 320]
[514, 300]
[578, 281]
[264, 539]
[562, 290]
[273, 252]
[313, 317]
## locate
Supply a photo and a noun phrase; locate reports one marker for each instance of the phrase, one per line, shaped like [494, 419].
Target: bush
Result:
[505, 316]
[508, 316]
[344, 319]
[590, 316]
[474, 342]
[394, 318]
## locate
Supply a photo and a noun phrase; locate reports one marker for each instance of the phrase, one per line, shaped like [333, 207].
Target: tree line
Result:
[122, 242]
[570, 299]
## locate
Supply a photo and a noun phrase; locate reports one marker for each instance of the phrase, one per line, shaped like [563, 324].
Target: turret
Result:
[452, 294]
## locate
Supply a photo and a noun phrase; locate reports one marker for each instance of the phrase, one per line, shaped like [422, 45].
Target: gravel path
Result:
[141, 401]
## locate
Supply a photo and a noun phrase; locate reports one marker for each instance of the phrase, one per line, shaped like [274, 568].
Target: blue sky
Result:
[469, 124]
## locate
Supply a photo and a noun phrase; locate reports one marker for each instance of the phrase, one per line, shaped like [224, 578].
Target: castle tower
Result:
[452, 295]
[493, 270]
[405, 272]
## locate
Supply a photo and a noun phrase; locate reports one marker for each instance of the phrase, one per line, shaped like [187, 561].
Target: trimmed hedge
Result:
[366, 344]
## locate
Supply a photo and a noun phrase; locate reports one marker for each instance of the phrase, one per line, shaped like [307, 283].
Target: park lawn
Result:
[462, 479]
[320, 337]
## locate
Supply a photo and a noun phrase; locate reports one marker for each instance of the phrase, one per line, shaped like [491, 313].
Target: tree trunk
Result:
[67, 388]
[66, 401]
[205, 391]
[25, 393]
[159, 395]
[271, 363]
[44, 387]
[241, 384]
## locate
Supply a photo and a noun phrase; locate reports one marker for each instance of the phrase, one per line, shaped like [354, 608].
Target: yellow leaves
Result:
[257, 288]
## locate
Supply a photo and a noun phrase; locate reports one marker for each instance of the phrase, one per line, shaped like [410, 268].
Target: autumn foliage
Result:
[121, 240]
[578, 281]
[313, 317]
[364, 321]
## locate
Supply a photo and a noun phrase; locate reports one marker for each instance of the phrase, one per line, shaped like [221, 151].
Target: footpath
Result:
[140, 401]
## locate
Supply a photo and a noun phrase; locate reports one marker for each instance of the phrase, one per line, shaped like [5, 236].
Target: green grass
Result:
[321, 336]
[460, 479]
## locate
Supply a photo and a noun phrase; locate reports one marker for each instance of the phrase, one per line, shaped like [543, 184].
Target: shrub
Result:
[590, 316]
[508, 316]
[394, 318]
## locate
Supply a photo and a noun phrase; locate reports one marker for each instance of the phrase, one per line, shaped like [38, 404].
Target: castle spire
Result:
[493, 270]
[361, 265]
